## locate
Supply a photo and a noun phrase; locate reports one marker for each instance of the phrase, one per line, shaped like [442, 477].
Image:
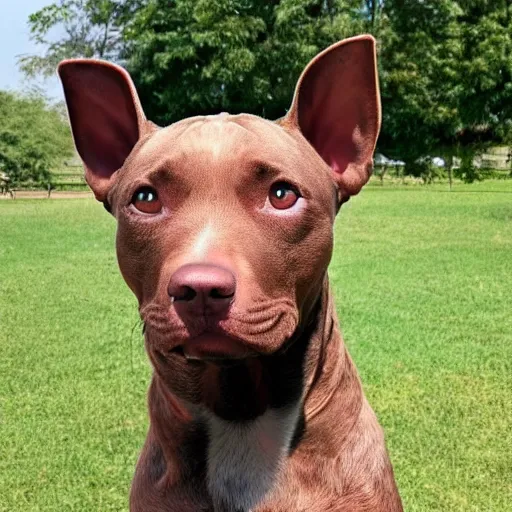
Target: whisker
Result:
[137, 324]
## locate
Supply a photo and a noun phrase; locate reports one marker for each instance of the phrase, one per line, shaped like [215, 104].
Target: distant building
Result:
[499, 158]
[495, 158]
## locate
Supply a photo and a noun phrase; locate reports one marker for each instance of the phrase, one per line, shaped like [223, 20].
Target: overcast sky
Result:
[15, 40]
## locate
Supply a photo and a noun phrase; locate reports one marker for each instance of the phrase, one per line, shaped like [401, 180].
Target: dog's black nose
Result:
[199, 289]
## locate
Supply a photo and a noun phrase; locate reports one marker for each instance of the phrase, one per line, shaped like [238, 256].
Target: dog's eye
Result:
[146, 200]
[282, 195]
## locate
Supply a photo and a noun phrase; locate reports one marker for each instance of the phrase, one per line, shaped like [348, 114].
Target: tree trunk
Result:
[382, 173]
[449, 164]
[375, 14]
[373, 7]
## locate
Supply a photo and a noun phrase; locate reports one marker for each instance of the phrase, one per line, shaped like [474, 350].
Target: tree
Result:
[197, 56]
[419, 79]
[486, 74]
[447, 80]
[445, 65]
[34, 137]
[194, 57]
[92, 28]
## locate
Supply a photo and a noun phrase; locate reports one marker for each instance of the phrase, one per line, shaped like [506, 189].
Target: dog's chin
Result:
[217, 372]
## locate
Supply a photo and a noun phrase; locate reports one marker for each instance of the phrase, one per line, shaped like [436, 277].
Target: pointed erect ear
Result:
[105, 115]
[337, 108]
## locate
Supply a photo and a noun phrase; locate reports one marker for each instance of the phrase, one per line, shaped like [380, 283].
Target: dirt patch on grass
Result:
[42, 194]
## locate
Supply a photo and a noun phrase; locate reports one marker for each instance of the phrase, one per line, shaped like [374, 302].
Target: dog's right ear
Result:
[105, 115]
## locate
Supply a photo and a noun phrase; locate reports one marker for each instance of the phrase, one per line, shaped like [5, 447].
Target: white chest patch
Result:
[244, 458]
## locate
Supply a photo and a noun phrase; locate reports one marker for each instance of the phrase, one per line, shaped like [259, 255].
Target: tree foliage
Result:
[190, 57]
[34, 137]
[446, 79]
[91, 28]
[445, 65]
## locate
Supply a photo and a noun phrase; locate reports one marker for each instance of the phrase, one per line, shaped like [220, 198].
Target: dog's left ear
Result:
[336, 106]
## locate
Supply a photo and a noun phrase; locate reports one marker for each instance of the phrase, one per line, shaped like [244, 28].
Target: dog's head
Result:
[225, 222]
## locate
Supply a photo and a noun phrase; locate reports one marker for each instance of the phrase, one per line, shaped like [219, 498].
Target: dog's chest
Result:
[244, 459]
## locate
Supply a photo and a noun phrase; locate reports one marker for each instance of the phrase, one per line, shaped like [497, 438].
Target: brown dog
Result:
[225, 231]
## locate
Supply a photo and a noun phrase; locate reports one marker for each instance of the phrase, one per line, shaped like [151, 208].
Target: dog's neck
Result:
[333, 395]
[240, 462]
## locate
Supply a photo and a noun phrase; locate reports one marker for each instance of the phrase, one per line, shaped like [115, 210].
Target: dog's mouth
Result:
[262, 329]
[215, 347]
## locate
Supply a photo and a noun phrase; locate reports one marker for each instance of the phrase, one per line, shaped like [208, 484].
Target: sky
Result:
[15, 40]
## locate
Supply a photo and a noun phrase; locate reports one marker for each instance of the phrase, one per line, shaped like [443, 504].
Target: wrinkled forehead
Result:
[216, 135]
[226, 141]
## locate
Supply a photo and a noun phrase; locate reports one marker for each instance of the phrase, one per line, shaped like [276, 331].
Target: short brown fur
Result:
[213, 176]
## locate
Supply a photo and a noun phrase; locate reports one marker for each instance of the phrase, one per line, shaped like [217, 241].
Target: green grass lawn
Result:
[423, 280]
